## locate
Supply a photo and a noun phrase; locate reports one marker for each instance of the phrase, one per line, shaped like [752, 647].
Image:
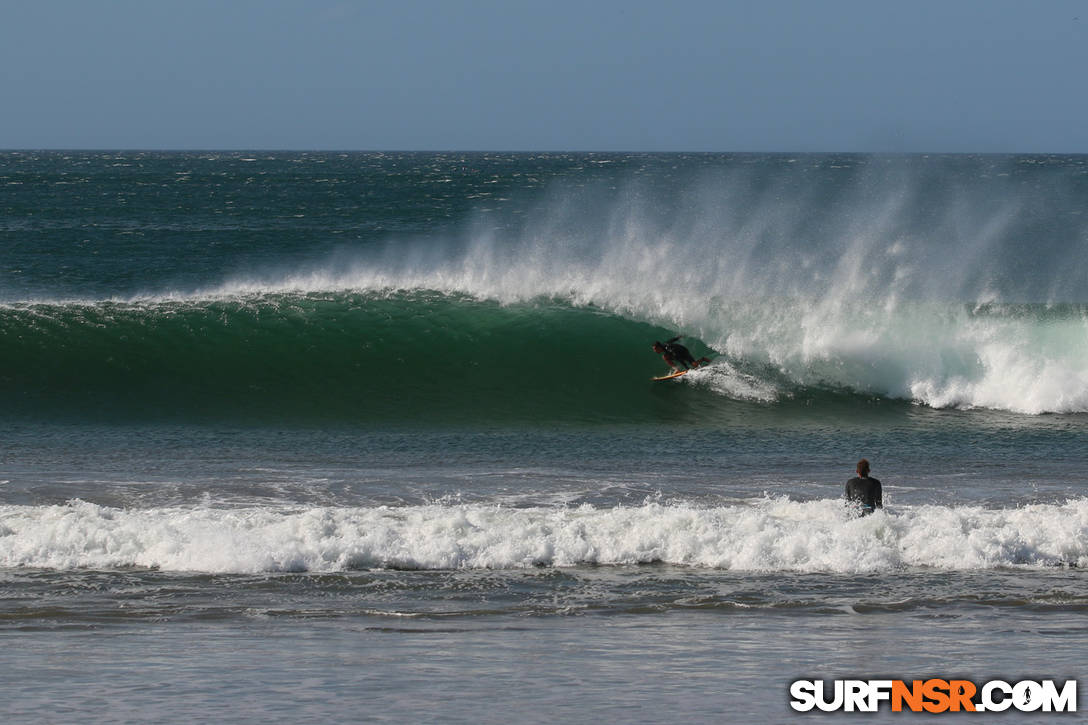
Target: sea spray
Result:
[859, 274]
[949, 281]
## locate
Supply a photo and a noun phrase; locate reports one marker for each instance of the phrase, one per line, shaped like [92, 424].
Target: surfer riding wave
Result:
[674, 354]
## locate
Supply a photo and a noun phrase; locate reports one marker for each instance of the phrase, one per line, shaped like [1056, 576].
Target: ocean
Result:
[372, 437]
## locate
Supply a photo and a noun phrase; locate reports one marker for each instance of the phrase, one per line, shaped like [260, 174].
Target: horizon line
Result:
[259, 150]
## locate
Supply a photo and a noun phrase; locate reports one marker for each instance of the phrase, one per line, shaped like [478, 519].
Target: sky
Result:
[555, 75]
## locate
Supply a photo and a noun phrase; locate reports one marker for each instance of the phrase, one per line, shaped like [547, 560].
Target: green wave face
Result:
[367, 358]
[385, 360]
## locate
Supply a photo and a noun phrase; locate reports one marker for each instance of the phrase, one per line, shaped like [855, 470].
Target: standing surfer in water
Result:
[674, 354]
[863, 491]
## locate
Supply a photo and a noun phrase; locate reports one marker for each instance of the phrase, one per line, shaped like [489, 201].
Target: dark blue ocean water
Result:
[373, 436]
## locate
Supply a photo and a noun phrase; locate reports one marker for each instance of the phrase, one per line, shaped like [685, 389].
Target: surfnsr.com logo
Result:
[933, 695]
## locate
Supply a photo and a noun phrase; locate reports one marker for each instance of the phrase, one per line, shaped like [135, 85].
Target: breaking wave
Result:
[761, 535]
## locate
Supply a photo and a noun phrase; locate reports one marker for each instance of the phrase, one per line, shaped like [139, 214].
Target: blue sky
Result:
[694, 75]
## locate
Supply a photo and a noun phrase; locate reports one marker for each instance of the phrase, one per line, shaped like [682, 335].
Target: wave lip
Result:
[765, 535]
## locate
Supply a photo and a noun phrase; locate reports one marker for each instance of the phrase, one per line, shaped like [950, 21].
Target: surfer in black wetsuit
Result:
[674, 354]
[864, 491]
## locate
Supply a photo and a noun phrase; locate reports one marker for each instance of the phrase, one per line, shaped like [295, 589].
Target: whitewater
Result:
[769, 535]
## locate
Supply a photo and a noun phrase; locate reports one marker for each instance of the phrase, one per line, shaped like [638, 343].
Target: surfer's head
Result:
[658, 347]
[863, 467]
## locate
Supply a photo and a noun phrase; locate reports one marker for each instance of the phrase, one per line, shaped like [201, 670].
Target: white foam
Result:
[724, 379]
[762, 535]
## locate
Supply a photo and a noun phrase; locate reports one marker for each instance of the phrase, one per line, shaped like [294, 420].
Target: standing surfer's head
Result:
[863, 468]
